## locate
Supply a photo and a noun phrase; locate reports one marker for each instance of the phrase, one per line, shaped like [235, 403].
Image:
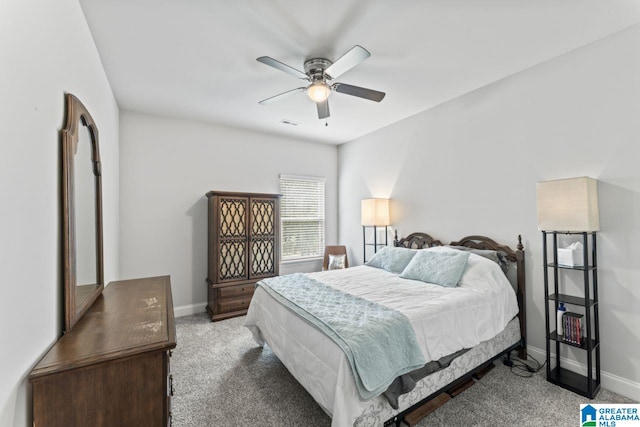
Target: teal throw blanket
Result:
[379, 342]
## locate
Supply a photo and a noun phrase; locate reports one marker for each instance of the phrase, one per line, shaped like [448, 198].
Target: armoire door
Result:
[233, 213]
[263, 241]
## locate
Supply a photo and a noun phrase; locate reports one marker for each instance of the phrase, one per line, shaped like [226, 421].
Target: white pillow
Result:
[336, 262]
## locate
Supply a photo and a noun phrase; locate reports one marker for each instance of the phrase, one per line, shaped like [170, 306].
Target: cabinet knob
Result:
[242, 289]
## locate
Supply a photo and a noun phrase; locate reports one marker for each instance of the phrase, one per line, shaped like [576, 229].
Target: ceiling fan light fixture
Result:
[319, 91]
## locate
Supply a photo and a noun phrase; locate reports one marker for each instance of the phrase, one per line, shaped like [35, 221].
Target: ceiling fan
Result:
[319, 72]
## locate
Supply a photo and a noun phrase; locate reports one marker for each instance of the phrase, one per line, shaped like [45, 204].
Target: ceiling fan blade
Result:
[323, 109]
[360, 92]
[353, 57]
[282, 95]
[267, 60]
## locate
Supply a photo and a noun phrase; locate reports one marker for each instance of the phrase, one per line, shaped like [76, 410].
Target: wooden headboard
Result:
[416, 241]
[423, 240]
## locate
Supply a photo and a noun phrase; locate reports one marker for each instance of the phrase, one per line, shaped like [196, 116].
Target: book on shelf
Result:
[573, 327]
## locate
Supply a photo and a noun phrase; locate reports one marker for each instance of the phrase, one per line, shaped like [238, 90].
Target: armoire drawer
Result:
[237, 291]
[234, 304]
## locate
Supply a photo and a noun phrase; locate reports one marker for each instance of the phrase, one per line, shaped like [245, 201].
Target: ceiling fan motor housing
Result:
[314, 68]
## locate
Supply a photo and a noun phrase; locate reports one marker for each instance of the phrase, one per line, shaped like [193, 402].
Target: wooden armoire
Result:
[243, 248]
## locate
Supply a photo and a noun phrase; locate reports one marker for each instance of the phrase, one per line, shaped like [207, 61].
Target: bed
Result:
[327, 372]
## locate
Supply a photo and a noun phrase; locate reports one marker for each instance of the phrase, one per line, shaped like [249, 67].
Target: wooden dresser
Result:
[112, 368]
[244, 247]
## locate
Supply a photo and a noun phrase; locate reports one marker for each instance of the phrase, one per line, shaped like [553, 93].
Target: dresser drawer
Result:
[234, 304]
[237, 291]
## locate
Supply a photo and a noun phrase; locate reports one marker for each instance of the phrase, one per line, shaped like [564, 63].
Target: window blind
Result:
[302, 216]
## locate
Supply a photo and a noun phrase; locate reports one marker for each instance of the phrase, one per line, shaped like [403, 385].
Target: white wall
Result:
[46, 50]
[167, 166]
[470, 167]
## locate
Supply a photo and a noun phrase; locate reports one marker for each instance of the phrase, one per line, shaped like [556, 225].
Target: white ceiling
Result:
[195, 59]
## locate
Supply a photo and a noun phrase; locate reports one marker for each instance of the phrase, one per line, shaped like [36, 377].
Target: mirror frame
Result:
[75, 306]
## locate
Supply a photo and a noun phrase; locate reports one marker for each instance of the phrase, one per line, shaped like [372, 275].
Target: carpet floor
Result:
[222, 378]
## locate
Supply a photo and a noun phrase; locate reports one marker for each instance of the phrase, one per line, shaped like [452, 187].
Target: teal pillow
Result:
[392, 259]
[440, 268]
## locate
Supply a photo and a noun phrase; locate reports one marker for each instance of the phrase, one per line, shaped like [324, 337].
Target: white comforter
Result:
[445, 320]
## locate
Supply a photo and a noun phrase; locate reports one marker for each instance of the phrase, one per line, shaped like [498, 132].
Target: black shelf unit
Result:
[375, 243]
[588, 385]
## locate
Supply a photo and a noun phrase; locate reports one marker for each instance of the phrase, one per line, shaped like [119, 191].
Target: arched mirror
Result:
[82, 212]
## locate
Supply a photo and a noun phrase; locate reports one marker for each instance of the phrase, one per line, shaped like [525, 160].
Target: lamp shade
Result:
[568, 205]
[375, 212]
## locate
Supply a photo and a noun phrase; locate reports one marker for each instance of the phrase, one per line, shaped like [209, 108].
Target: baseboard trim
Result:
[611, 382]
[188, 310]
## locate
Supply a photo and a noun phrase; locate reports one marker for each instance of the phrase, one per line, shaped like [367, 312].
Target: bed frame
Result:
[423, 240]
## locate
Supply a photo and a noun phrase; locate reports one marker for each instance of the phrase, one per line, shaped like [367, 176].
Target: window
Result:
[302, 216]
